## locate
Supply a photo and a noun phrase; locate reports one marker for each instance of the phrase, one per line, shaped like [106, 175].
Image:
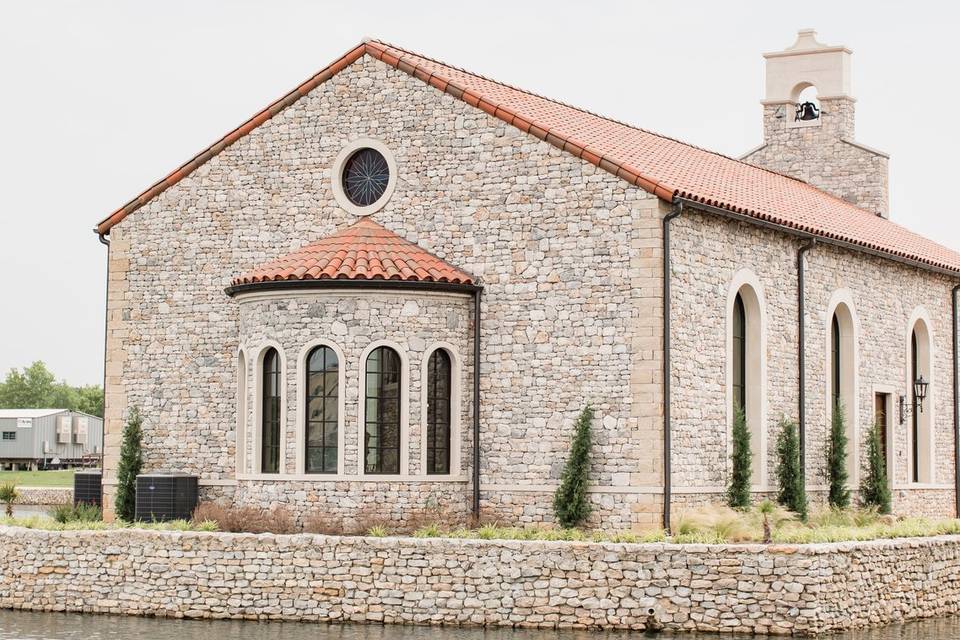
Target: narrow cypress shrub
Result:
[738, 492]
[131, 461]
[791, 493]
[837, 459]
[874, 490]
[570, 504]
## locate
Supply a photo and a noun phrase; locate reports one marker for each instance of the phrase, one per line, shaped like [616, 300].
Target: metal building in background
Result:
[48, 438]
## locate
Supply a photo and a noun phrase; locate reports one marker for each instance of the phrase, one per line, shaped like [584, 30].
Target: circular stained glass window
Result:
[365, 177]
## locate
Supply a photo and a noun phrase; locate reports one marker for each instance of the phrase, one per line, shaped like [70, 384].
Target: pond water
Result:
[22, 625]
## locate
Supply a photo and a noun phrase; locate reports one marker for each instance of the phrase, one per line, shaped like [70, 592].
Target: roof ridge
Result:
[582, 110]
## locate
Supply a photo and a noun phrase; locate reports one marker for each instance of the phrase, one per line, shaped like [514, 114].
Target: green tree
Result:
[837, 459]
[874, 490]
[570, 504]
[131, 462]
[738, 491]
[36, 388]
[791, 492]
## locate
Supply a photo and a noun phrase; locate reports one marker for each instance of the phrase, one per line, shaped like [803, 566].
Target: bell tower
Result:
[808, 125]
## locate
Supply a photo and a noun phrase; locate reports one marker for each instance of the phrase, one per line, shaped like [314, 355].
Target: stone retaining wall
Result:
[44, 495]
[752, 588]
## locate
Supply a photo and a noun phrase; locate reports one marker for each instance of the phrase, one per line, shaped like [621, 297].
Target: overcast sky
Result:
[101, 99]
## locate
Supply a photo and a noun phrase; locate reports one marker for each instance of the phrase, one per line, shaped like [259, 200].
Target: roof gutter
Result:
[733, 215]
[801, 359]
[104, 240]
[956, 401]
[348, 283]
[667, 471]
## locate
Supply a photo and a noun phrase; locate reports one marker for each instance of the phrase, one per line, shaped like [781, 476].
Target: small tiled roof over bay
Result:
[655, 163]
[363, 251]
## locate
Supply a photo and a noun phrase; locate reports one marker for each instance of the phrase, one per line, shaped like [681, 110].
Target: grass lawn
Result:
[60, 478]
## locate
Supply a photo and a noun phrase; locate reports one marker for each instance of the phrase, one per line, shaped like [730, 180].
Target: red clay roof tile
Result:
[663, 166]
[363, 251]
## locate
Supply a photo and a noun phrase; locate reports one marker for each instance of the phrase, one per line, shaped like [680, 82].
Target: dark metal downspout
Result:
[801, 360]
[667, 477]
[476, 404]
[956, 403]
[106, 322]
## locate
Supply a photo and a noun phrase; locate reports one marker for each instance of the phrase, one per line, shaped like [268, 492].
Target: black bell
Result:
[807, 111]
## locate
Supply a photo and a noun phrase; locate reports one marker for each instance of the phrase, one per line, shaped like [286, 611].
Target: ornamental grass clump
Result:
[570, 503]
[8, 495]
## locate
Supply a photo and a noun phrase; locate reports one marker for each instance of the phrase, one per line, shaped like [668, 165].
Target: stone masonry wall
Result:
[568, 255]
[708, 251]
[732, 588]
[44, 495]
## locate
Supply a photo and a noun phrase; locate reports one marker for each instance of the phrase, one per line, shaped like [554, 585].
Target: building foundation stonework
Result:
[779, 589]
[393, 202]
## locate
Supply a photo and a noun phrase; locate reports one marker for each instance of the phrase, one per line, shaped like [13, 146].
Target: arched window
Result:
[322, 410]
[835, 369]
[746, 367]
[921, 423]
[270, 413]
[382, 387]
[438, 412]
[241, 412]
[842, 377]
[739, 355]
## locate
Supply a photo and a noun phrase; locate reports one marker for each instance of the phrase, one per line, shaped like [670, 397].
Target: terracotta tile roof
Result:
[660, 165]
[363, 251]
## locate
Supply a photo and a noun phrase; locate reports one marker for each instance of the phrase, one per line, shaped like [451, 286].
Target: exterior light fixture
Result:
[919, 394]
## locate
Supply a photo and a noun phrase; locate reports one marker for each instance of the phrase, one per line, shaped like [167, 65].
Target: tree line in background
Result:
[37, 388]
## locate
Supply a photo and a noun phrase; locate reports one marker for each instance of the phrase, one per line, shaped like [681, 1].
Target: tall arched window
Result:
[382, 386]
[836, 357]
[322, 410]
[746, 367]
[270, 413]
[438, 412]
[739, 355]
[919, 363]
[842, 376]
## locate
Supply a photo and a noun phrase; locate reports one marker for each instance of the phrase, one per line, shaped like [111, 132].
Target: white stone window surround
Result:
[842, 305]
[404, 411]
[455, 389]
[257, 427]
[893, 422]
[336, 175]
[240, 441]
[926, 355]
[301, 437]
[746, 283]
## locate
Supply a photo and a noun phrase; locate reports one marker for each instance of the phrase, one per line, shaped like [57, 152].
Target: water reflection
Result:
[21, 625]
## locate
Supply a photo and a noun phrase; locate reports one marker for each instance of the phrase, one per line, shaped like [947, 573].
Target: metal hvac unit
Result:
[88, 487]
[64, 429]
[81, 425]
[166, 496]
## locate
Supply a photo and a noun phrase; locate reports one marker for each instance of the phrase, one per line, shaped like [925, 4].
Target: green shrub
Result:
[8, 495]
[82, 512]
[738, 492]
[837, 459]
[378, 531]
[570, 503]
[874, 490]
[131, 462]
[791, 492]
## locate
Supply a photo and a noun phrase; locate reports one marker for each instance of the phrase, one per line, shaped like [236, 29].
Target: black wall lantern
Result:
[919, 393]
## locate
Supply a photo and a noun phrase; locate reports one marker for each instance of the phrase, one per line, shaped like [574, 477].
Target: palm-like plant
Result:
[8, 495]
